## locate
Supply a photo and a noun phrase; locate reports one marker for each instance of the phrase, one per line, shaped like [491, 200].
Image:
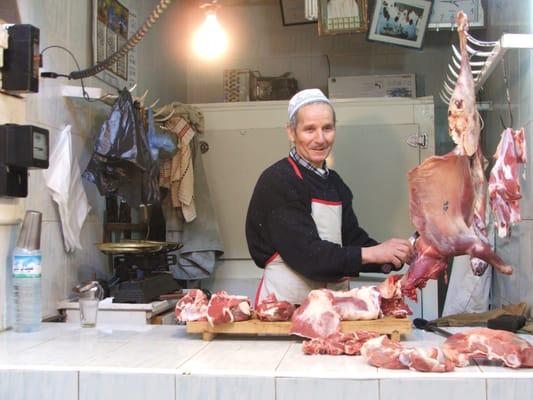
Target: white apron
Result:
[283, 281]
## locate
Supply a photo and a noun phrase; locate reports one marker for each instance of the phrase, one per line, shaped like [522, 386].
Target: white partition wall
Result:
[371, 154]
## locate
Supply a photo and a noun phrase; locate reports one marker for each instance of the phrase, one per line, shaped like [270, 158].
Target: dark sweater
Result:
[279, 221]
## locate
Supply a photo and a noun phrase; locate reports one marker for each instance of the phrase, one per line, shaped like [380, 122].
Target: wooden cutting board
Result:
[395, 327]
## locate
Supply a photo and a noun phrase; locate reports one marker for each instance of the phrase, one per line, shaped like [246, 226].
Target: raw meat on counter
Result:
[273, 310]
[504, 182]
[384, 353]
[392, 299]
[357, 304]
[323, 310]
[316, 317]
[338, 343]
[489, 344]
[224, 308]
[192, 307]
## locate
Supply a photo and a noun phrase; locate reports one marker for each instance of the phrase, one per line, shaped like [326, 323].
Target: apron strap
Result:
[295, 167]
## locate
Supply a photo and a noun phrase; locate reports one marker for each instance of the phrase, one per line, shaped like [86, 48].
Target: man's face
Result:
[314, 134]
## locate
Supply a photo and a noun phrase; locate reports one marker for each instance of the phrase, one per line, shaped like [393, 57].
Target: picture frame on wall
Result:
[400, 22]
[293, 12]
[443, 13]
[342, 16]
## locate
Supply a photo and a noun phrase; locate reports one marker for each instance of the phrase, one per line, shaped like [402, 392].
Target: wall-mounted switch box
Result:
[20, 72]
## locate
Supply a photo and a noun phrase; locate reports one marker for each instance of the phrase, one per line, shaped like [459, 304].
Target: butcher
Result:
[300, 226]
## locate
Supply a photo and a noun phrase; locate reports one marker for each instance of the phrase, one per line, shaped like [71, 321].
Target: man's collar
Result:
[322, 172]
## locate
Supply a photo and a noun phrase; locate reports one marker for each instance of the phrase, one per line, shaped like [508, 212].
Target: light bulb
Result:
[210, 40]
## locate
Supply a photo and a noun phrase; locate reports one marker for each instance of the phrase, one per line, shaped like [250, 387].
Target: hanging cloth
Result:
[63, 179]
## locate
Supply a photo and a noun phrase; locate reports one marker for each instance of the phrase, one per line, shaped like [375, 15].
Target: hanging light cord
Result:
[130, 44]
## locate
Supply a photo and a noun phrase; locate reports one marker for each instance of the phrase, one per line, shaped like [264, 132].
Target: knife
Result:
[421, 323]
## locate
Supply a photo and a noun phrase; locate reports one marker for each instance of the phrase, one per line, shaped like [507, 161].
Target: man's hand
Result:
[394, 251]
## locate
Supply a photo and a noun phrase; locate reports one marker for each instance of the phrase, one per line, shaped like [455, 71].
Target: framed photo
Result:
[113, 24]
[400, 22]
[293, 12]
[342, 16]
[443, 13]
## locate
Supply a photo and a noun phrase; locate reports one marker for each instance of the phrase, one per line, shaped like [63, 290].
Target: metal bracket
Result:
[419, 140]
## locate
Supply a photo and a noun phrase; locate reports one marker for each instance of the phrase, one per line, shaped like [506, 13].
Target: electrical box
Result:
[21, 147]
[20, 72]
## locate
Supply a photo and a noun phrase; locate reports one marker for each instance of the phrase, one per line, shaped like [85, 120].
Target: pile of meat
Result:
[448, 193]
[221, 308]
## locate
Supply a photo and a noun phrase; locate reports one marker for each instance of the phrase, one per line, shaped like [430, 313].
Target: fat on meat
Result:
[384, 353]
[442, 196]
[504, 181]
[357, 304]
[490, 344]
[273, 310]
[224, 308]
[192, 306]
[338, 343]
[316, 317]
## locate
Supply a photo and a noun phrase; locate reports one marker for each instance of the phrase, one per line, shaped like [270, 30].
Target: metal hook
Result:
[166, 118]
[507, 94]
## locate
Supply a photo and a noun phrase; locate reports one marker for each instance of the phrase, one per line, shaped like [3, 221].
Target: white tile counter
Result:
[65, 362]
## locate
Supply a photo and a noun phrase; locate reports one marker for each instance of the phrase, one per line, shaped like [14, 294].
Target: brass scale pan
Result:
[137, 246]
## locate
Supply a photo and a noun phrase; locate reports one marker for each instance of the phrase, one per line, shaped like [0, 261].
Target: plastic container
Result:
[26, 269]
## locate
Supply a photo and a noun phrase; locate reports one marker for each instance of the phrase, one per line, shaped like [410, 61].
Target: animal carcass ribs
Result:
[447, 193]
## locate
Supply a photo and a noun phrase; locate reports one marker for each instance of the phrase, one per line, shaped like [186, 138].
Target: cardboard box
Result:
[343, 87]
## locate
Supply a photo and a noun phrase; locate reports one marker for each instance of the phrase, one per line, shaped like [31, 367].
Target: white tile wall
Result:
[132, 386]
[27, 384]
[67, 23]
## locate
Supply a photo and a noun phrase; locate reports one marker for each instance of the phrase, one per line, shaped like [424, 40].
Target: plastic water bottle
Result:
[26, 270]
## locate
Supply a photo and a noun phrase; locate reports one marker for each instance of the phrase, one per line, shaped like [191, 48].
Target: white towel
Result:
[63, 178]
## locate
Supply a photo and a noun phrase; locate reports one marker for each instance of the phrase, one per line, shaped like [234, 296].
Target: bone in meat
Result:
[225, 308]
[338, 343]
[463, 120]
[490, 344]
[192, 307]
[504, 182]
[384, 353]
[273, 310]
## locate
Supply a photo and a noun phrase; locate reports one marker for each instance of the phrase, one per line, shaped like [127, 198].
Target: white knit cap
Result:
[304, 97]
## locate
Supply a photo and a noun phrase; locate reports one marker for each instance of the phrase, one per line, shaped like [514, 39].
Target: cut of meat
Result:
[442, 209]
[192, 307]
[338, 343]
[485, 343]
[224, 308]
[384, 353]
[357, 304]
[392, 299]
[504, 182]
[395, 307]
[430, 360]
[316, 317]
[273, 310]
